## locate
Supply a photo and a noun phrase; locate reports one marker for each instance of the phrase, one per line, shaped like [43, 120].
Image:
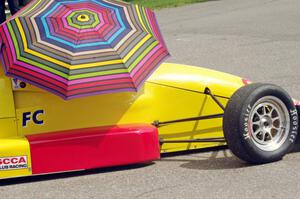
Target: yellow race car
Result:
[179, 108]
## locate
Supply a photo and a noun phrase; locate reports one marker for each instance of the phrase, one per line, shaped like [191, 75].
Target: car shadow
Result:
[219, 158]
[56, 176]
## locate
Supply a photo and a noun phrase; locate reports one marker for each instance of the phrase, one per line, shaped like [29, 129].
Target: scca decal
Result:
[11, 163]
[34, 116]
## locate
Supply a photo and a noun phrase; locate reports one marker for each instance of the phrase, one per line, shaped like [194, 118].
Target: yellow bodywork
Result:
[15, 147]
[173, 92]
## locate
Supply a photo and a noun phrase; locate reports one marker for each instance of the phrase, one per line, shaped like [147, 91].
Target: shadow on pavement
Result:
[211, 162]
[218, 159]
[48, 177]
[216, 164]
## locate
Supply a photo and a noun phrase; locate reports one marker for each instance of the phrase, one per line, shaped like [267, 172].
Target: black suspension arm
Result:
[219, 139]
[158, 123]
[207, 91]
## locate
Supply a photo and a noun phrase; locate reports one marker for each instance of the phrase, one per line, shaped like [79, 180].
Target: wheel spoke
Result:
[263, 136]
[257, 116]
[268, 109]
[275, 129]
[270, 134]
[257, 131]
[275, 118]
[271, 111]
[256, 123]
[263, 110]
[260, 111]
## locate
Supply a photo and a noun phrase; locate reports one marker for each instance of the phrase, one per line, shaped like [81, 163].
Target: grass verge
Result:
[158, 4]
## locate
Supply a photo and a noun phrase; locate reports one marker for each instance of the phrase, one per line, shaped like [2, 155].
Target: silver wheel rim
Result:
[269, 123]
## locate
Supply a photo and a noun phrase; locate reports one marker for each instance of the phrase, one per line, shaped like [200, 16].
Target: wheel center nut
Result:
[266, 122]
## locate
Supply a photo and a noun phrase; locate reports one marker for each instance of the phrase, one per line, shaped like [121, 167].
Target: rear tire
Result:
[260, 123]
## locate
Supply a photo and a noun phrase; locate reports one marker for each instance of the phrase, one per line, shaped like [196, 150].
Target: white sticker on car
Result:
[13, 163]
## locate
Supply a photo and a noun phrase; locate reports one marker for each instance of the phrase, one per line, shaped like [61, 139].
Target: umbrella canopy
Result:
[76, 48]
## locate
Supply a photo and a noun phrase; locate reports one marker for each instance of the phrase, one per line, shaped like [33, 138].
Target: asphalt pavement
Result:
[256, 39]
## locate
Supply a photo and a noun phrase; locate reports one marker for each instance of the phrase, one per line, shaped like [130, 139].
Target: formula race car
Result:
[82, 87]
[178, 108]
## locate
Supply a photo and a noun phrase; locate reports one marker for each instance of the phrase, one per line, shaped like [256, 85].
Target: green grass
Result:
[158, 4]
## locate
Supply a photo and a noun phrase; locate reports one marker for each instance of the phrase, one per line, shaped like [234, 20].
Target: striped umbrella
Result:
[76, 48]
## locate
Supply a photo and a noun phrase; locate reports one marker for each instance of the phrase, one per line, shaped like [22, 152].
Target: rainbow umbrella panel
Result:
[76, 48]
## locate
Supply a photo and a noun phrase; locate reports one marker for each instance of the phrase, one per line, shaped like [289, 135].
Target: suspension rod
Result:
[219, 139]
[158, 123]
[208, 92]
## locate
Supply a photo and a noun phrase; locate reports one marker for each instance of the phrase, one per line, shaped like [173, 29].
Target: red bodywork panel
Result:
[93, 148]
